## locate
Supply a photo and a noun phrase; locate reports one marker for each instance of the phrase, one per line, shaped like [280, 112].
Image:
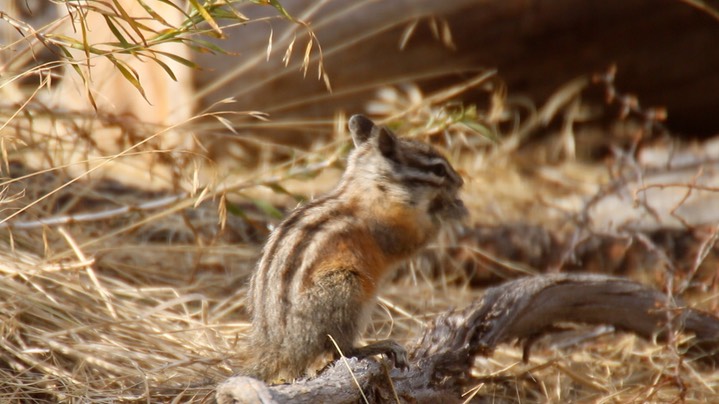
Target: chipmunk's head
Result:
[403, 169]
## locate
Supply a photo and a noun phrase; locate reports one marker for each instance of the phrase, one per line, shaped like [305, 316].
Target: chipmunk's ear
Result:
[361, 129]
[386, 142]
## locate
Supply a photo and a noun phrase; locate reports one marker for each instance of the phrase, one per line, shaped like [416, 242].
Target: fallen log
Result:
[522, 309]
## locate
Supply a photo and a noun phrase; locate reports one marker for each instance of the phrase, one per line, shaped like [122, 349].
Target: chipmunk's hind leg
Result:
[341, 290]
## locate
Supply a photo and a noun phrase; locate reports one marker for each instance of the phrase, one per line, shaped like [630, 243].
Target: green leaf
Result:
[155, 16]
[75, 67]
[131, 21]
[85, 44]
[267, 208]
[209, 45]
[235, 210]
[129, 74]
[145, 28]
[74, 44]
[282, 190]
[164, 66]
[169, 3]
[178, 59]
[483, 130]
[232, 14]
[116, 32]
[206, 16]
[276, 4]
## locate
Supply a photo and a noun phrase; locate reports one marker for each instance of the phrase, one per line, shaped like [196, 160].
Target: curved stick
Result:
[521, 309]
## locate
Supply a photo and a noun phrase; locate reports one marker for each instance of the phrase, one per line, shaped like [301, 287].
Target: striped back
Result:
[383, 171]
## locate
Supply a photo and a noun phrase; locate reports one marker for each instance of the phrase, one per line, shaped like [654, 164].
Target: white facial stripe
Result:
[423, 176]
[437, 160]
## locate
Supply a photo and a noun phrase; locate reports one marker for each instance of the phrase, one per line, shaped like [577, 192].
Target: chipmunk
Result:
[321, 267]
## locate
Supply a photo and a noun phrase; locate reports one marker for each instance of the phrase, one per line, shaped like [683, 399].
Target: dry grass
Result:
[119, 318]
[109, 292]
[144, 302]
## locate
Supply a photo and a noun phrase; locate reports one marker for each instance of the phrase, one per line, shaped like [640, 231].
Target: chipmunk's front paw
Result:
[397, 354]
[394, 351]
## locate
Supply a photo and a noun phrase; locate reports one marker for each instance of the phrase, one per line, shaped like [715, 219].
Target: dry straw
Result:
[112, 293]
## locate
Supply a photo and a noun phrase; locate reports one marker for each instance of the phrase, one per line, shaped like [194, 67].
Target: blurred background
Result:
[149, 147]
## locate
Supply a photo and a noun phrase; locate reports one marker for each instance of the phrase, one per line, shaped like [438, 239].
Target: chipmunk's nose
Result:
[460, 208]
[457, 179]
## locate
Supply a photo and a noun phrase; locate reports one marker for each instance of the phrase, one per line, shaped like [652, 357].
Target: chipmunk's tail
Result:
[275, 363]
[262, 361]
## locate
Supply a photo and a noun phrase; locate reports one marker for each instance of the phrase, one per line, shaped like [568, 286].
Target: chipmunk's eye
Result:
[438, 169]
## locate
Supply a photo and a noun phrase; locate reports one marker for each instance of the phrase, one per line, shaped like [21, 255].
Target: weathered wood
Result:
[662, 49]
[520, 309]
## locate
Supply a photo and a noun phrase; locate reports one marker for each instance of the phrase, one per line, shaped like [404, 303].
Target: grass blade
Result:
[207, 17]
